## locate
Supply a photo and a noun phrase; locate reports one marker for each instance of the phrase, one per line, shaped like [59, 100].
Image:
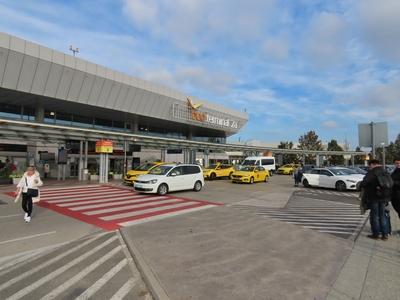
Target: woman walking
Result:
[29, 186]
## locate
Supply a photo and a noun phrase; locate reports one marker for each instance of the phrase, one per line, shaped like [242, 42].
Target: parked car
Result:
[268, 162]
[218, 171]
[307, 168]
[341, 179]
[287, 169]
[250, 174]
[358, 170]
[140, 170]
[170, 177]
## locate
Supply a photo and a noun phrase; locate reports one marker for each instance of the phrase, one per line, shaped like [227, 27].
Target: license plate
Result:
[138, 186]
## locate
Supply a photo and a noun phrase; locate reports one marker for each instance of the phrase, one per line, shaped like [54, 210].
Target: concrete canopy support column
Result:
[352, 160]
[303, 159]
[39, 111]
[163, 155]
[80, 171]
[85, 160]
[317, 160]
[125, 150]
[206, 158]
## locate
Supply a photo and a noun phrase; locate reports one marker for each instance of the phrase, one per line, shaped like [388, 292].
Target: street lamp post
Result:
[383, 155]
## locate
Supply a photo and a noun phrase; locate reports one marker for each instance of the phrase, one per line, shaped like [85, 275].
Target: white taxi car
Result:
[170, 177]
[338, 178]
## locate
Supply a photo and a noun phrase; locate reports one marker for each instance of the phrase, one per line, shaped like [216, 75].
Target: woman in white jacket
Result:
[30, 181]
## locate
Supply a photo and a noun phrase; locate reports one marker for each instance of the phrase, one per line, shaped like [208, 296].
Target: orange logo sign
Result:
[196, 115]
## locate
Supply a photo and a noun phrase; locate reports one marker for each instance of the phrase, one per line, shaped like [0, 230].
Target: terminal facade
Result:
[39, 85]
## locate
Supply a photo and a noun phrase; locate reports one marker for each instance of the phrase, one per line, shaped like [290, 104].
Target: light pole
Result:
[383, 155]
[74, 50]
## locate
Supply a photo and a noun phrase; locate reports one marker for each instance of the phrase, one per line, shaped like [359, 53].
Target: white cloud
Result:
[330, 124]
[192, 25]
[379, 23]
[276, 48]
[326, 40]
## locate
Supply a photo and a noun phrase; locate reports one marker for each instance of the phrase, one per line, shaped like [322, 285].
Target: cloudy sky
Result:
[294, 66]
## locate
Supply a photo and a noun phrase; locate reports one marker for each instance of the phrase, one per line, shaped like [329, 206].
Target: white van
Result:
[268, 162]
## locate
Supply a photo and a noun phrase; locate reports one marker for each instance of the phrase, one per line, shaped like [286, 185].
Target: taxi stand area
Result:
[46, 133]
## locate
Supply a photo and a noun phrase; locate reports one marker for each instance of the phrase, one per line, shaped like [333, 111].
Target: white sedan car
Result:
[170, 177]
[341, 179]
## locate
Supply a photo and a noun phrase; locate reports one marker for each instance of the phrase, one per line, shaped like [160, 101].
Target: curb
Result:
[149, 277]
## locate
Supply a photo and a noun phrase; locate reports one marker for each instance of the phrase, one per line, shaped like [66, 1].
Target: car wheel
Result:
[266, 178]
[213, 176]
[162, 189]
[197, 186]
[252, 180]
[230, 175]
[341, 186]
[305, 183]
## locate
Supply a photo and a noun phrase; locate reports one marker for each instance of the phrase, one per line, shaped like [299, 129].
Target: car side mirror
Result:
[172, 174]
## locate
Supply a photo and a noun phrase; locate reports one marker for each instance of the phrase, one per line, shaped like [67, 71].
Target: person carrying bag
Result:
[29, 187]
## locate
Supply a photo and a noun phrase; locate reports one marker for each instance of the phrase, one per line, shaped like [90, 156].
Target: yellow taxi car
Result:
[145, 168]
[250, 174]
[218, 171]
[287, 169]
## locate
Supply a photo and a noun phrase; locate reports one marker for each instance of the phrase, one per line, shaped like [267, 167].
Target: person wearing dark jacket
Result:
[376, 203]
[396, 187]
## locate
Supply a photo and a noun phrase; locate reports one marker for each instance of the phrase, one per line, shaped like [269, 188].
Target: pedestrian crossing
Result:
[337, 218]
[111, 207]
[93, 267]
[316, 191]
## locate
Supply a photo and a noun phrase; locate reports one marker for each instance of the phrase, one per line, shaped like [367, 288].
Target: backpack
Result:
[385, 185]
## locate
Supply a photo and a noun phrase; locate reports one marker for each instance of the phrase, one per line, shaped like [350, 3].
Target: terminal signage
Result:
[200, 116]
[104, 146]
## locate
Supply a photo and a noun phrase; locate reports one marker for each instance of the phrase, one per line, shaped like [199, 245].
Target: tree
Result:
[310, 141]
[335, 159]
[359, 159]
[287, 158]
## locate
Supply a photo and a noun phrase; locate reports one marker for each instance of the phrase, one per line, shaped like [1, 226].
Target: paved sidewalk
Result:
[372, 271]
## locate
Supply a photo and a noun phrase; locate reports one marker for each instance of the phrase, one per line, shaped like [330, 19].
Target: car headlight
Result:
[352, 181]
[153, 181]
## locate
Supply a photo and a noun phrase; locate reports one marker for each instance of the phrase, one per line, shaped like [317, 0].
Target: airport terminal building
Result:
[50, 100]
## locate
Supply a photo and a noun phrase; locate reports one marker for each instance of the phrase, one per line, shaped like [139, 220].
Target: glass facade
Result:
[64, 118]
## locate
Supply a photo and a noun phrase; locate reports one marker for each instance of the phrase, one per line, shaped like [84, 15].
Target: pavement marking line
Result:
[74, 191]
[131, 199]
[350, 227]
[322, 228]
[71, 198]
[36, 254]
[102, 281]
[124, 290]
[45, 264]
[70, 282]
[335, 231]
[144, 211]
[324, 216]
[27, 237]
[72, 187]
[89, 195]
[313, 220]
[94, 200]
[10, 216]
[59, 271]
[133, 206]
[160, 217]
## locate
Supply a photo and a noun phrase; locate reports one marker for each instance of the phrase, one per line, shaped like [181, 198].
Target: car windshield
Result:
[359, 170]
[212, 167]
[160, 170]
[249, 162]
[247, 169]
[342, 171]
[145, 167]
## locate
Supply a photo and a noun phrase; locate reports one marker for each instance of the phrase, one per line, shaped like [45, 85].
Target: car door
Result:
[188, 177]
[325, 179]
[175, 179]
[313, 177]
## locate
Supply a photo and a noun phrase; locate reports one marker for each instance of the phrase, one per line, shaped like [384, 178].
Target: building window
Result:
[102, 123]
[28, 113]
[63, 118]
[82, 121]
[49, 116]
[10, 111]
